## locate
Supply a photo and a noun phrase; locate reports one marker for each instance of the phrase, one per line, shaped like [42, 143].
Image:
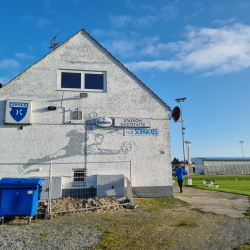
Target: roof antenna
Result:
[53, 42]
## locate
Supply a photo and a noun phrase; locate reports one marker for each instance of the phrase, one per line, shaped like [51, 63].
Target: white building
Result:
[221, 165]
[49, 113]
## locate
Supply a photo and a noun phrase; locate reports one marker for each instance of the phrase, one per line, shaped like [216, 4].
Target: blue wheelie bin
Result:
[20, 196]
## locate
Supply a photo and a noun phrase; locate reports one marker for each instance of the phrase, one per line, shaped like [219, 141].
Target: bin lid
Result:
[21, 182]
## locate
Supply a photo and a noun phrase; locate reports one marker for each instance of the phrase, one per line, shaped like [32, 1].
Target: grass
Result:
[186, 224]
[237, 184]
[244, 247]
[157, 223]
[146, 226]
[43, 236]
[227, 183]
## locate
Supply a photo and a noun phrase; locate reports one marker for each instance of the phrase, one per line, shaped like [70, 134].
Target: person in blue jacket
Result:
[179, 173]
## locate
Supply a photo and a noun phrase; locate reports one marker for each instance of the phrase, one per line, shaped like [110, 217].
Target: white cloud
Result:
[243, 5]
[132, 47]
[8, 63]
[224, 22]
[4, 80]
[168, 12]
[24, 56]
[206, 51]
[42, 22]
[158, 65]
[39, 22]
[121, 20]
[164, 12]
[219, 8]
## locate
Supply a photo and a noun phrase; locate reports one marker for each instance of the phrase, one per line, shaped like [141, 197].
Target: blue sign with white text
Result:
[141, 131]
[18, 110]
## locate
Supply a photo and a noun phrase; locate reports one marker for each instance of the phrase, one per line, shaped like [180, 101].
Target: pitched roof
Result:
[98, 44]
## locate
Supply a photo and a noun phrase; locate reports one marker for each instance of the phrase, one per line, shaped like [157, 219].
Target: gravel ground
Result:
[49, 234]
[80, 231]
[222, 233]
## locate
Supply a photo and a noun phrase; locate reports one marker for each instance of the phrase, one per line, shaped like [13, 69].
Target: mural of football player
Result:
[78, 145]
[94, 149]
[74, 147]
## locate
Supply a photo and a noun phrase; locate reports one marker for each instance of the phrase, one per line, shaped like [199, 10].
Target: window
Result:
[81, 80]
[79, 175]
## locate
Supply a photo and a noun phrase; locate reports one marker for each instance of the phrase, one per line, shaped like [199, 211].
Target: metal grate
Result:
[79, 175]
[77, 115]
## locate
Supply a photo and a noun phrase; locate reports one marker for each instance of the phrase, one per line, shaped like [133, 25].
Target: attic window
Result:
[81, 80]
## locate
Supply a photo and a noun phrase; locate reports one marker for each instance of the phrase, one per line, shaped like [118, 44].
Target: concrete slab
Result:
[233, 205]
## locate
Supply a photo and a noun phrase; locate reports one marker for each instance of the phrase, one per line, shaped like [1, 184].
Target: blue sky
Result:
[194, 49]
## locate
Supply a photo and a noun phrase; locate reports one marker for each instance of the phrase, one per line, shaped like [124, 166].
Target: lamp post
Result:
[188, 145]
[241, 142]
[180, 100]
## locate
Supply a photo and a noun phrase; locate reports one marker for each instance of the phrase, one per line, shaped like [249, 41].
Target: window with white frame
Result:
[77, 80]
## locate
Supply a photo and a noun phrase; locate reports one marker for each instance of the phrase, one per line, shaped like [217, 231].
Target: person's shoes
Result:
[181, 191]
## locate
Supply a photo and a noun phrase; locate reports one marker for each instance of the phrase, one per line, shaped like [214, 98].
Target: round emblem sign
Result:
[103, 122]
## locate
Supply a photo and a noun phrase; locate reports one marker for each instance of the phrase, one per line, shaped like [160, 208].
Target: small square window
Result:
[75, 80]
[79, 175]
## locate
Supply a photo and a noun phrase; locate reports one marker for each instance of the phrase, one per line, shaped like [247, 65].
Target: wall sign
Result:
[103, 122]
[132, 122]
[18, 112]
[141, 131]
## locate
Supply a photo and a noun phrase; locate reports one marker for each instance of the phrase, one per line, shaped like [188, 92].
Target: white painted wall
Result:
[125, 97]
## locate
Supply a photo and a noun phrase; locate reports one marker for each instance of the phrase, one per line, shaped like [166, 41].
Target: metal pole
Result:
[49, 192]
[241, 142]
[183, 137]
[132, 203]
[50, 186]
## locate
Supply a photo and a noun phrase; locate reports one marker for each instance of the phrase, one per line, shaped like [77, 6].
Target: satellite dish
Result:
[176, 113]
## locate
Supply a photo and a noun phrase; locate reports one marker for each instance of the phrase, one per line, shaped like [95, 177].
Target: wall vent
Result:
[77, 115]
[83, 95]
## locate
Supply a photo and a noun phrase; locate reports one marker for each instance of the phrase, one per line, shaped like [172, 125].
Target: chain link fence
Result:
[72, 187]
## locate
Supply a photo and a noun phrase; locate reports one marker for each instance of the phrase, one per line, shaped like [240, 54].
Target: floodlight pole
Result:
[241, 142]
[188, 145]
[180, 100]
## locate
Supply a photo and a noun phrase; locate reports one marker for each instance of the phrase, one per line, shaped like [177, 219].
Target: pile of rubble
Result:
[98, 204]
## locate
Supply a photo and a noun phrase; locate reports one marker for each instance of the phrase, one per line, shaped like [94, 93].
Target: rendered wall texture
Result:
[55, 136]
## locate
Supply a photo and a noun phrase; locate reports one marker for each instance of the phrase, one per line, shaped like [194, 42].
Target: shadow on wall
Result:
[78, 145]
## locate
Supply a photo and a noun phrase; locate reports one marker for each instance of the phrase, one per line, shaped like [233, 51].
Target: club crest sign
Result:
[18, 112]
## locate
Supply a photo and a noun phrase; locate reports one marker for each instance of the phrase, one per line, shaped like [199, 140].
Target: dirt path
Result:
[233, 205]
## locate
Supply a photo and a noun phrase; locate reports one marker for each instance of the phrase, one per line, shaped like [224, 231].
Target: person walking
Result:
[179, 173]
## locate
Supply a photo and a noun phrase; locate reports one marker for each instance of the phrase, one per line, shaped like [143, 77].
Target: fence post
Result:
[49, 215]
[131, 183]
[50, 186]
[49, 193]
